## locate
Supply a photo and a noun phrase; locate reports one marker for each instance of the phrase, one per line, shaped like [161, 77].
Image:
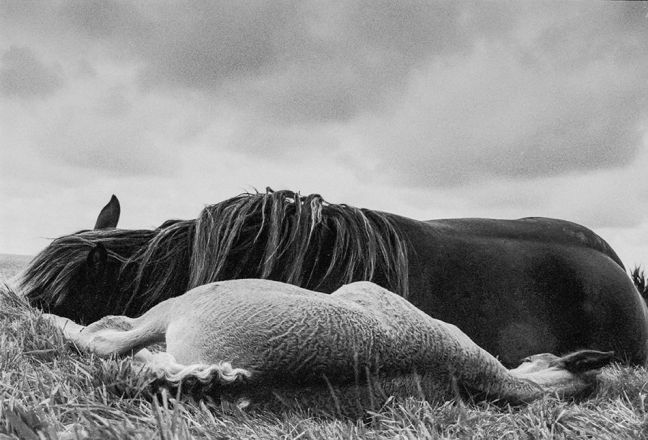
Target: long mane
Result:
[279, 235]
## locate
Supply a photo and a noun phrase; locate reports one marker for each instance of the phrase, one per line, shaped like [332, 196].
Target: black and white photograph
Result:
[323, 220]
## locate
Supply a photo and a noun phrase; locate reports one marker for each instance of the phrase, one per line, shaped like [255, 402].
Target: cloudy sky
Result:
[429, 110]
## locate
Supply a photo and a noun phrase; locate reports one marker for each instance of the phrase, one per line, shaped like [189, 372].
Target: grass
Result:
[11, 264]
[49, 391]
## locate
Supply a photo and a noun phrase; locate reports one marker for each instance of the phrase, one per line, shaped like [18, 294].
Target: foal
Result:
[258, 333]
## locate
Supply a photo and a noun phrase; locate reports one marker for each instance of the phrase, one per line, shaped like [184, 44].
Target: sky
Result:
[425, 109]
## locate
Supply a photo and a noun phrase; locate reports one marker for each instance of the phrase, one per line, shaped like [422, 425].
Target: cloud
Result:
[435, 109]
[495, 114]
[469, 90]
[104, 19]
[210, 42]
[114, 132]
[289, 61]
[103, 128]
[23, 75]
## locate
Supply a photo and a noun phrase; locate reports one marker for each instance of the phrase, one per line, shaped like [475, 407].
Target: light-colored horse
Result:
[254, 333]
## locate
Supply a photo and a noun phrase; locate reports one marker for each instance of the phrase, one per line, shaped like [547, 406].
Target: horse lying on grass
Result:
[516, 287]
[250, 335]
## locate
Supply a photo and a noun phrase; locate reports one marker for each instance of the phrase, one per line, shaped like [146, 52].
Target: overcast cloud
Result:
[490, 109]
[24, 76]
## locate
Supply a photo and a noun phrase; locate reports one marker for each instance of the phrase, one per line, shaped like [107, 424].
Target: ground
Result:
[50, 391]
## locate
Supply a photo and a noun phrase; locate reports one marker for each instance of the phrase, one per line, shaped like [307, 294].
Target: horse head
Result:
[280, 235]
[77, 275]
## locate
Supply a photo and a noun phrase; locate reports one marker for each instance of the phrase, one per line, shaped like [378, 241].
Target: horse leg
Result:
[70, 329]
[442, 346]
[568, 374]
[121, 334]
[113, 335]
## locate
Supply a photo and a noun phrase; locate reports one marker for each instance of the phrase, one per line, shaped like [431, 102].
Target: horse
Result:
[516, 287]
[251, 334]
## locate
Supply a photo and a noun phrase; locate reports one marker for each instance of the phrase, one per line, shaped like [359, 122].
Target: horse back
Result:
[519, 287]
[531, 229]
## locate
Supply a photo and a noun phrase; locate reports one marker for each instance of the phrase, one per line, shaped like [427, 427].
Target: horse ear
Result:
[109, 215]
[96, 259]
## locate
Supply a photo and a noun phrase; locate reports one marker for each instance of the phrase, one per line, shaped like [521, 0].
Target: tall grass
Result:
[50, 391]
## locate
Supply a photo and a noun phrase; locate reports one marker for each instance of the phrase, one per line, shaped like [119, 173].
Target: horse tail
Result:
[165, 367]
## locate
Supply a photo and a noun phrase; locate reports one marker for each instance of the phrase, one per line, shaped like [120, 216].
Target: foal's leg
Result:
[70, 329]
[120, 335]
[443, 346]
[110, 335]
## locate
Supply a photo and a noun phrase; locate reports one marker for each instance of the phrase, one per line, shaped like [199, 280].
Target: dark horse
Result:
[516, 287]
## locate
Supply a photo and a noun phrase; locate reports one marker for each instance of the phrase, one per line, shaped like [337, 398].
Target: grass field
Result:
[49, 391]
[11, 264]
